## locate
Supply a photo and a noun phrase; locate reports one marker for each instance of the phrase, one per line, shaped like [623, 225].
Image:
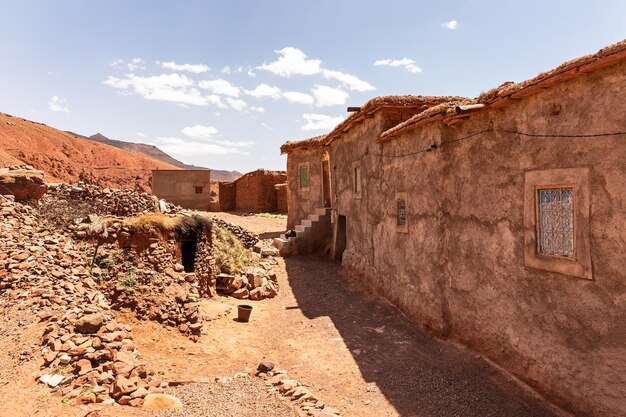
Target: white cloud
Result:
[297, 97]
[251, 73]
[203, 141]
[265, 125]
[174, 88]
[220, 86]
[142, 135]
[183, 149]
[451, 24]
[57, 103]
[327, 96]
[236, 103]
[264, 90]
[320, 121]
[407, 63]
[351, 81]
[292, 61]
[257, 109]
[118, 63]
[193, 68]
[226, 70]
[136, 64]
[200, 132]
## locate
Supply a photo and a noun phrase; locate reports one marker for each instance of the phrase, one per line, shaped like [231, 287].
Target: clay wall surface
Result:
[179, 187]
[303, 201]
[458, 267]
[281, 198]
[254, 192]
[227, 196]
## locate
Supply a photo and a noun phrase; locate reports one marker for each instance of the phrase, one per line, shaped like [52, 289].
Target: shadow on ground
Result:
[418, 374]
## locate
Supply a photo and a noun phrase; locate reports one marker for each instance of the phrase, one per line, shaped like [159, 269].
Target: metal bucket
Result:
[243, 312]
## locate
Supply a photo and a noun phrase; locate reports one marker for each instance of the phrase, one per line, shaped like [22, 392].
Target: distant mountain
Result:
[154, 152]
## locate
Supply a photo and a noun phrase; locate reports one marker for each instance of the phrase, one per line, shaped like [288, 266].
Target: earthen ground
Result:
[352, 349]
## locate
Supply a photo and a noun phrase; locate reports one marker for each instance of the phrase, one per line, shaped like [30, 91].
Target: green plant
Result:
[272, 215]
[129, 282]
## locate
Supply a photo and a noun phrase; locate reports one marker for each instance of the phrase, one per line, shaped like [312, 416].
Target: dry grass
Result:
[230, 254]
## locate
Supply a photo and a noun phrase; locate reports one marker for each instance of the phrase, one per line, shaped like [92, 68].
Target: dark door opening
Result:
[326, 183]
[188, 257]
[340, 238]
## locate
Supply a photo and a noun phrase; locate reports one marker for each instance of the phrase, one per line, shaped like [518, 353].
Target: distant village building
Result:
[259, 191]
[188, 188]
[499, 222]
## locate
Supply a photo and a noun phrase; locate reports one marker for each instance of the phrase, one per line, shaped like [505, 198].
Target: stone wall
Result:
[458, 267]
[227, 196]
[254, 192]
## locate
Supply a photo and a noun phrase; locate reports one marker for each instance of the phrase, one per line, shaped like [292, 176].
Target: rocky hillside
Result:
[156, 153]
[70, 158]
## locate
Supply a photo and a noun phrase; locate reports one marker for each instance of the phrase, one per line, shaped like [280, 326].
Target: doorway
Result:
[188, 256]
[326, 183]
[340, 237]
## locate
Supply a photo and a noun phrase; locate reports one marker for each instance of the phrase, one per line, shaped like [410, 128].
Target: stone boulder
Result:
[22, 182]
[89, 323]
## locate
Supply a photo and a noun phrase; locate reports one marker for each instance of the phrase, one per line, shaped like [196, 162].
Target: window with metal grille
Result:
[304, 177]
[401, 212]
[555, 222]
[198, 189]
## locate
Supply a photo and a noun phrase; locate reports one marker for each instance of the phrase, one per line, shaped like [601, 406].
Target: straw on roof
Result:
[416, 102]
[510, 91]
[310, 143]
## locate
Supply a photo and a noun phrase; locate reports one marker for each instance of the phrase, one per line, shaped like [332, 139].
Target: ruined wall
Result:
[458, 268]
[180, 187]
[255, 192]
[303, 201]
[227, 196]
[281, 198]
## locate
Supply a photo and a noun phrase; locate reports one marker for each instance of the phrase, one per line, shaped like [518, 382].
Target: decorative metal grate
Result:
[555, 221]
[401, 212]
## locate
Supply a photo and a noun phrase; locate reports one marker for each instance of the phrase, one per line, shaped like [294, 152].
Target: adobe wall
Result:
[227, 196]
[302, 202]
[178, 187]
[459, 270]
[255, 192]
[281, 198]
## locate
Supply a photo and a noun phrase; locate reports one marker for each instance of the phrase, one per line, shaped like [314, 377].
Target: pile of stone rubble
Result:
[65, 202]
[278, 381]
[88, 356]
[248, 238]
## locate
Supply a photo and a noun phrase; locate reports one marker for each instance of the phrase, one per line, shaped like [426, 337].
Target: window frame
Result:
[357, 194]
[577, 179]
[401, 228]
[308, 175]
[196, 187]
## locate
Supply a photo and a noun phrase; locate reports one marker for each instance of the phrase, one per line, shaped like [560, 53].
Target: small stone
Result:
[265, 366]
[89, 323]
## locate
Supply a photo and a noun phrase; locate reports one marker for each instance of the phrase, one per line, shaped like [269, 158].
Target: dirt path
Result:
[265, 227]
[353, 350]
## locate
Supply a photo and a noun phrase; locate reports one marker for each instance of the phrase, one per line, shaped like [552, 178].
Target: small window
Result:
[198, 189]
[401, 212]
[357, 180]
[555, 222]
[304, 177]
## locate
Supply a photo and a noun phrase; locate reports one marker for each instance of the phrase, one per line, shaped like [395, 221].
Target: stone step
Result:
[302, 228]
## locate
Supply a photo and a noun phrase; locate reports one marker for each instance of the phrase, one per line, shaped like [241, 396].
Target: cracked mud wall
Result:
[459, 271]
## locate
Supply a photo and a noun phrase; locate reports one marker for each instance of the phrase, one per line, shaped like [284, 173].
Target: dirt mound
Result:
[70, 158]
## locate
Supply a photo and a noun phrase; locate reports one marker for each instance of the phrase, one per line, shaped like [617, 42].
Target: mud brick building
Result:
[498, 222]
[188, 188]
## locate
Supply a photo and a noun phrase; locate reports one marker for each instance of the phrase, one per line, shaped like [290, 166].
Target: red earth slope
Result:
[69, 158]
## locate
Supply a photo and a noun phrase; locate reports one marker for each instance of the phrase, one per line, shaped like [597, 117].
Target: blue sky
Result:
[223, 83]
